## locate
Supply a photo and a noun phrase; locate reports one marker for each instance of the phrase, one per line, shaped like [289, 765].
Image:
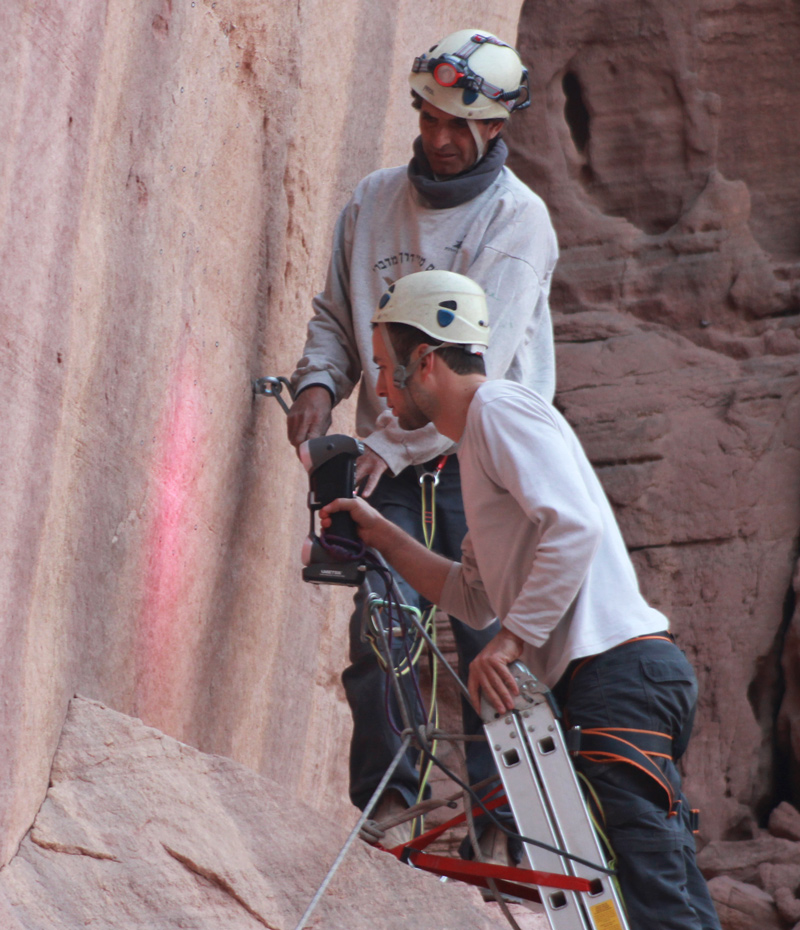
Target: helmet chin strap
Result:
[479, 143]
[401, 373]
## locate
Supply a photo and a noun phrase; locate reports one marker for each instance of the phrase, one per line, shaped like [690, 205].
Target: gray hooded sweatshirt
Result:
[502, 238]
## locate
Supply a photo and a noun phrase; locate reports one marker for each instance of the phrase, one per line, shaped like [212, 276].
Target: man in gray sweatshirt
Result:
[456, 207]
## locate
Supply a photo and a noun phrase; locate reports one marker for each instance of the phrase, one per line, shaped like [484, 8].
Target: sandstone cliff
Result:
[171, 170]
[677, 301]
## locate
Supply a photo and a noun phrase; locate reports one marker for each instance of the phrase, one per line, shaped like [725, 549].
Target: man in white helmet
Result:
[455, 207]
[544, 553]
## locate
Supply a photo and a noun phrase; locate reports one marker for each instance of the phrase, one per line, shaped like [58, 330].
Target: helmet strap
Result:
[401, 373]
[479, 143]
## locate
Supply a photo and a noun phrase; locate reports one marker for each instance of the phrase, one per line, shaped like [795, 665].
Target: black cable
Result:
[347, 550]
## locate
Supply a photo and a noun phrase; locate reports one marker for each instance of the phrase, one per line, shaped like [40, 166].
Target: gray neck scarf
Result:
[452, 192]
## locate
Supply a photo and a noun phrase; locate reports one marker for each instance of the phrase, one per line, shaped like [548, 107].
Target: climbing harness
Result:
[636, 747]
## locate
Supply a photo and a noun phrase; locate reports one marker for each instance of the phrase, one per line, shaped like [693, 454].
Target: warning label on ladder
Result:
[605, 916]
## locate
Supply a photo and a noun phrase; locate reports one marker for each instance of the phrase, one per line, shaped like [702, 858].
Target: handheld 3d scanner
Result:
[331, 465]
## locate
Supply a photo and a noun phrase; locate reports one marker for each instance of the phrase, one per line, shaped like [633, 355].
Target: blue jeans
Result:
[647, 685]
[374, 742]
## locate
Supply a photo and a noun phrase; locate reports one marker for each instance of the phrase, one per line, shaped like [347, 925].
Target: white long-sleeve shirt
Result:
[543, 551]
[503, 239]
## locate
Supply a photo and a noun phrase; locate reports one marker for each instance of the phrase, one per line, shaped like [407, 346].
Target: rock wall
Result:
[660, 141]
[186, 839]
[171, 171]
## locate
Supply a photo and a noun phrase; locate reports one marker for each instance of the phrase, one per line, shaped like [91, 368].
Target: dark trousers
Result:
[647, 685]
[374, 742]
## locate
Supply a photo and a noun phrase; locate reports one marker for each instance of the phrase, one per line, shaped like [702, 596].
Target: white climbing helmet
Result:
[446, 306]
[472, 74]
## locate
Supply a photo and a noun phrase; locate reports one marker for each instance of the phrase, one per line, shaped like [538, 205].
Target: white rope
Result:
[356, 830]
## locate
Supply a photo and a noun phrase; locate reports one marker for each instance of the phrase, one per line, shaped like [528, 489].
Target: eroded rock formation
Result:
[676, 306]
[170, 175]
[141, 831]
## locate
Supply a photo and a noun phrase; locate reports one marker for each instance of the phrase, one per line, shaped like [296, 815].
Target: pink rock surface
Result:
[784, 821]
[742, 907]
[741, 859]
[139, 830]
[170, 176]
[676, 305]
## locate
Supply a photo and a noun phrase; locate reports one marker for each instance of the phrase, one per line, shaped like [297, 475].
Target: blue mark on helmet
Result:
[384, 300]
[446, 313]
[469, 96]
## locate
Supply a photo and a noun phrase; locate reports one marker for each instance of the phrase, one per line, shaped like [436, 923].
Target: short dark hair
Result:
[406, 338]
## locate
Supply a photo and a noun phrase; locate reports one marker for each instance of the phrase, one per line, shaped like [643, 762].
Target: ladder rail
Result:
[533, 818]
[545, 797]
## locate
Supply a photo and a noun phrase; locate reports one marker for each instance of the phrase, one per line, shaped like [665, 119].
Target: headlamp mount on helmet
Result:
[453, 70]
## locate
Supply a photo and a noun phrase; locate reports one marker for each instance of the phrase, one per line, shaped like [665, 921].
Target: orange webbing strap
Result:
[639, 748]
[635, 747]
[668, 638]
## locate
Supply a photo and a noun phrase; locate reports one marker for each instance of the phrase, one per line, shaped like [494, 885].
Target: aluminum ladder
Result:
[532, 758]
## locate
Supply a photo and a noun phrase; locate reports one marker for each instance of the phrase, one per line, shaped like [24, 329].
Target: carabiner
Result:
[433, 475]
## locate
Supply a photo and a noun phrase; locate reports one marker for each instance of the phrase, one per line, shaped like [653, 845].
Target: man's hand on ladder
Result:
[489, 674]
